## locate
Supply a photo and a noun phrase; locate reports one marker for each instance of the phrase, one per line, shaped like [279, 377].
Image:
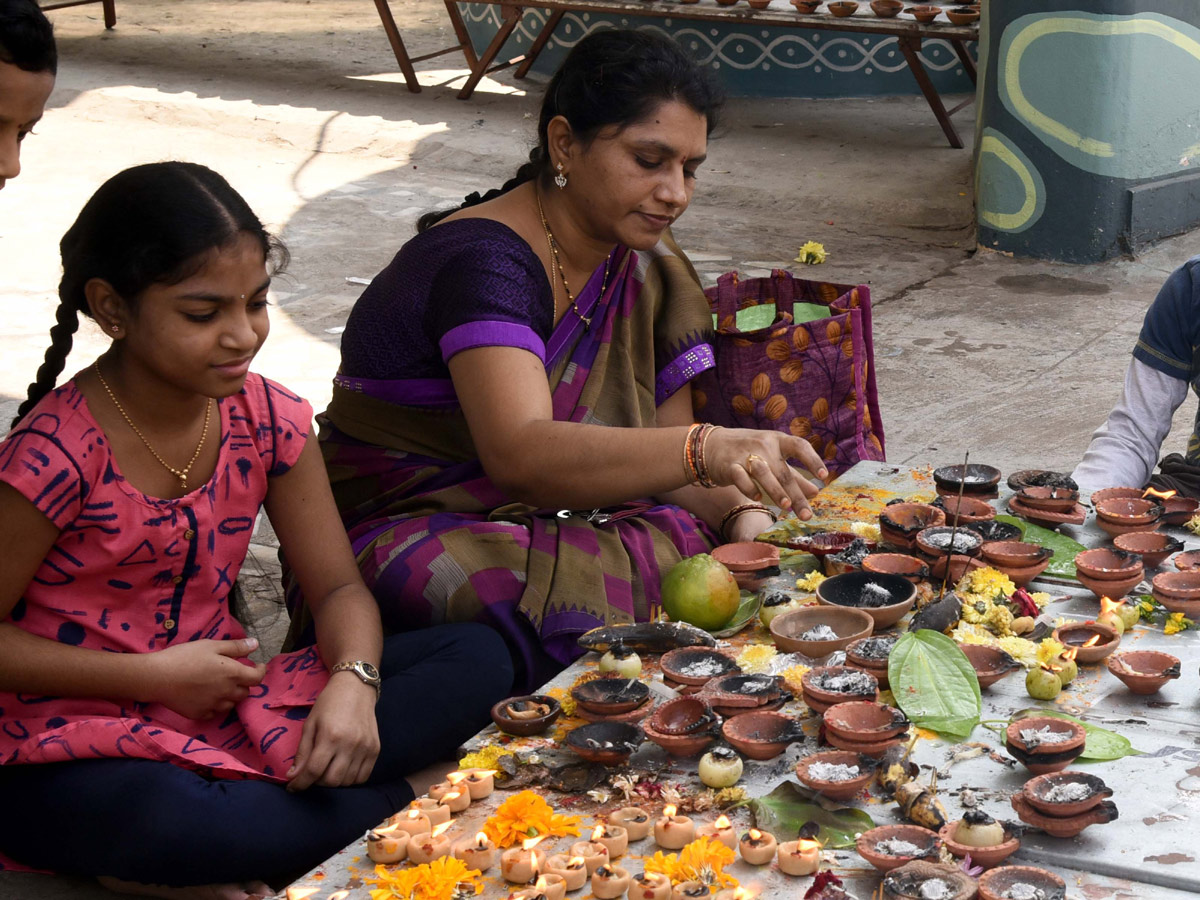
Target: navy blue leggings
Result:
[156, 823]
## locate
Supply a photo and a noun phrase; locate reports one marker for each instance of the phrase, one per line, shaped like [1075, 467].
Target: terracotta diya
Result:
[886, 9]
[958, 565]
[683, 727]
[1092, 640]
[762, 735]
[694, 667]
[1044, 743]
[974, 479]
[823, 543]
[1187, 560]
[1065, 794]
[891, 846]
[1144, 671]
[871, 655]
[806, 6]
[1063, 826]
[920, 879]
[864, 727]
[837, 774]
[750, 562]
[1113, 492]
[1026, 881]
[885, 598]
[611, 695]
[1052, 499]
[908, 567]
[842, 8]
[1109, 572]
[1118, 515]
[995, 531]
[962, 16]
[827, 686]
[733, 695]
[990, 663]
[967, 510]
[1177, 510]
[1178, 591]
[1152, 546]
[526, 715]
[607, 743]
[802, 631]
[900, 522]
[1020, 561]
[934, 543]
[1077, 515]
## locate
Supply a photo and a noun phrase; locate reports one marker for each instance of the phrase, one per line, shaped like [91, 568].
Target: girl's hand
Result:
[202, 679]
[340, 740]
[750, 460]
[747, 526]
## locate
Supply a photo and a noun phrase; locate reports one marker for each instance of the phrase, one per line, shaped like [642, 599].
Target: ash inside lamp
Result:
[845, 682]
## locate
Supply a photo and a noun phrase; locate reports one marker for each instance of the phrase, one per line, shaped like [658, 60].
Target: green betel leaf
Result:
[1102, 745]
[783, 811]
[1062, 563]
[934, 684]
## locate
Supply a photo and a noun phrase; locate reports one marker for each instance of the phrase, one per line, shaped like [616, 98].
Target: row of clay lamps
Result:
[418, 833]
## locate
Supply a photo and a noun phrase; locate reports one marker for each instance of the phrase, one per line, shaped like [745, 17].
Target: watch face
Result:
[369, 670]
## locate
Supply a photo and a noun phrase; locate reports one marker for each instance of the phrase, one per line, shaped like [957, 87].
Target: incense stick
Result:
[962, 484]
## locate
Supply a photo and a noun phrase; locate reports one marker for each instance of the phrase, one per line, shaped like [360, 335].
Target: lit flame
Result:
[1091, 642]
[542, 883]
[481, 841]
[1069, 655]
[806, 846]
[1050, 668]
[669, 811]
[1110, 606]
[1161, 495]
[385, 830]
[339, 895]
[598, 832]
[453, 795]
[755, 834]
[742, 894]
[480, 774]
[722, 823]
[303, 893]
[531, 843]
[415, 814]
[441, 828]
[455, 777]
[576, 863]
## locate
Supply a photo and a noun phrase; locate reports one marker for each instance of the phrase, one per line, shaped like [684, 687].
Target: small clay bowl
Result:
[820, 698]
[610, 696]
[868, 654]
[872, 748]
[969, 510]
[1063, 826]
[1037, 789]
[966, 543]
[927, 840]
[695, 665]
[1041, 477]
[900, 522]
[1131, 493]
[1051, 499]
[994, 884]
[924, 14]
[1113, 588]
[606, 743]
[746, 556]
[886, 9]
[837, 790]
[1075, 635]
[808, 7]
[823, 543]
[988, 857]
[1014, 554]
[1178, 591]
[842, 8]
[848, 624]
[962, 17]
[865, 720]
[1022, 575]
[980, 479]
[958, 565]
[907, 881]
[1128, 511]
[846, 592]
[525, 727]
[1047, 757]
[993, 531]
[759, 4]
[683, 726]
[1144, 671]
[990, 663]
[733, 695]
[1152, 546]
[1177, 510]
[762, 735]
[1103, 563]
[908, 567]
[1187, 560]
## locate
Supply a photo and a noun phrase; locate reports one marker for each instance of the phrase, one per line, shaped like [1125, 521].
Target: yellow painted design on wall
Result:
[1030, 209]
[1089, 27]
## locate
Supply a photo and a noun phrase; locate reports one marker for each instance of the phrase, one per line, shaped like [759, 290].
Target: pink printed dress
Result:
[136, 574]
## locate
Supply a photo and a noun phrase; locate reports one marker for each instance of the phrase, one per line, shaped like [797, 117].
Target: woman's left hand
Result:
[340, 740]
[747, 526]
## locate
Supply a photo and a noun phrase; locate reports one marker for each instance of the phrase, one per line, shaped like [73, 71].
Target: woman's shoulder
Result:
[475, 240]
[273, 419]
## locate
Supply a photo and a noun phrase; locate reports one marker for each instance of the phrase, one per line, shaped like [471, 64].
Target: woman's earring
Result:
[115, 327]
[560, 179]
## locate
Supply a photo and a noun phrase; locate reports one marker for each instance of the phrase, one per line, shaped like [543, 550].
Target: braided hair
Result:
[26, 37]
[609, 78]
[151, 224]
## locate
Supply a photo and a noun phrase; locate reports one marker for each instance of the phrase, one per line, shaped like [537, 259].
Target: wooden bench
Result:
[908, 32]
[110, 8]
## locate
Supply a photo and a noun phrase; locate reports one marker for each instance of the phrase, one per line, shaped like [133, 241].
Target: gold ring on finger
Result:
[751, 460]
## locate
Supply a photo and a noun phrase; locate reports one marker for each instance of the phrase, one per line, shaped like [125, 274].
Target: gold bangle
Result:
[738, 510]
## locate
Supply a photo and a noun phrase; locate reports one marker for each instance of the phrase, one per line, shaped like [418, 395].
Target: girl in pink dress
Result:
[130, 713]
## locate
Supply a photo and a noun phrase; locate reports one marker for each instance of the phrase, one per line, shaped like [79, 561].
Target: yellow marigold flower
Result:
[1040, 598]
[1023, 651]
[810, 582]
[485, 758]
[1048, 651]
[1193, 524]
[756, 659]
[986, 583]
[999, 619]
[1176, 623]
[395, 884]
[526, 815]
[794, 676]
[811, 254]
[868, 531]
[728, 797]
[437, 880]
[702, 860]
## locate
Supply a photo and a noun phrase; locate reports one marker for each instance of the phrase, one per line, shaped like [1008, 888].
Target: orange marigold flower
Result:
[443, 879]
[527, 815]
[702, 860]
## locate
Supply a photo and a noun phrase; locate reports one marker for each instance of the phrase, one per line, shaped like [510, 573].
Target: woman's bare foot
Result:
[251, 890]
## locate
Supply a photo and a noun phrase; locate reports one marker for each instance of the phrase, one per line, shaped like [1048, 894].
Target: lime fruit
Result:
[701, 592]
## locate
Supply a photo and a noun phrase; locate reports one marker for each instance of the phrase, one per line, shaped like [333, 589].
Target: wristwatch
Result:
[364, 670]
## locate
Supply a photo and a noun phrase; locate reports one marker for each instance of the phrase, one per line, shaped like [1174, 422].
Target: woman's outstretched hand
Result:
[757, 464]
[340, 740]
[202, 679]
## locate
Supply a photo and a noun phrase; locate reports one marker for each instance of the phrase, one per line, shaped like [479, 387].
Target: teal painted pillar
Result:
[1088, 133]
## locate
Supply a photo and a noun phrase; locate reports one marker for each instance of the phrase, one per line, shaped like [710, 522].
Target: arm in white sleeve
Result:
[1125, 449]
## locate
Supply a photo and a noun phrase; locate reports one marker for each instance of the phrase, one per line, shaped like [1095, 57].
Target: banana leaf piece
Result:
[1102, 745]
[790, 806]
[1062, 563]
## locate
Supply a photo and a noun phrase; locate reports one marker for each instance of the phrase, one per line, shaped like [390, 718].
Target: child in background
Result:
[28, 63]
[130, 714]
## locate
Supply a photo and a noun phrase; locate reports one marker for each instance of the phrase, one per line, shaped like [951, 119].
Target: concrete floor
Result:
[300, 106]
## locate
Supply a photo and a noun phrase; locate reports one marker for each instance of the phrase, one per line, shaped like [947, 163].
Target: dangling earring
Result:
[560, 179]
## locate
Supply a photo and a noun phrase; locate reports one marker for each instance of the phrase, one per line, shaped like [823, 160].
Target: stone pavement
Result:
[300, 106]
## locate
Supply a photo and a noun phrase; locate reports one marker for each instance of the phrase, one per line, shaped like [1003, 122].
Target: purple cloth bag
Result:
[815, 380]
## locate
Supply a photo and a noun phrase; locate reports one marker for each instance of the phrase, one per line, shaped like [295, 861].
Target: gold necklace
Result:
[553, 245]
[181, 474]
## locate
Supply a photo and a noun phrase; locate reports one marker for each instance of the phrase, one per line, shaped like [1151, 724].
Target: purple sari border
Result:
[470, 335]
[587, 302]
[433, 392]
[683, 369]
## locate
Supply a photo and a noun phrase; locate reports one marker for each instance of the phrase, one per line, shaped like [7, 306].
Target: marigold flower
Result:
[527, 815]
[811, 254]
[702, 860]
[756, 659]
[1176, 622]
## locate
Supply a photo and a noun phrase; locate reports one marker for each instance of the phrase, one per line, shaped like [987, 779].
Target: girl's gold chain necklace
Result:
[553, 245]
[181, 474]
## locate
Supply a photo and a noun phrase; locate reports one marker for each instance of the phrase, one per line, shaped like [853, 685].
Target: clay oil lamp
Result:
[412, 821]
[952, 569]
[612, 698]
[1093, 640]
[1020, 561]
[1152, 546]
[690, 668]
[966, 16]
[757, 847]
[387, 844]
[672, 831]
[864, 727]
[871, 655]
[762, 735]
[800, 857]
[593, 853]
[424, 848]
[891, 846]
[1065, 794]
[520, 865]
[1009, 882]
[1049, 499]
[828, 546]
[994, 531]
[525, 716]
[610, 882]
[908, 567]
[836, 774]
[842, 8]
[885, 598]
[817, 631]
[750, 562]
[690, 890]
[1119, 515]
[849, 560]
[808, 7]
[1063, 826]
[1044, 744]
[650, 886]
[924, 14]
[614, 837]
[920, 880]
[900, 522]
[606, 743]
[977, 834]
[1130, 493]
[967, 510]
[826, 686]
[683, 726]
[1187, 560]
[1109, 572]
[732, 695]
[1176, 510]
[551, 886]
[634, 820]
[759, 4]
[1050, 518]
[572, 870]
[934, 543]
[1178, 592]
[478, 852]
[437, 811]
[886, 9]
[990, 663]
[456, 801]
[1144, 671]
[720, 830]
[974, 478]
[480, 782]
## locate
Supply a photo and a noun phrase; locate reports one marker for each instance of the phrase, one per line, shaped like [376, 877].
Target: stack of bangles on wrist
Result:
[693, 454]
[738, 510]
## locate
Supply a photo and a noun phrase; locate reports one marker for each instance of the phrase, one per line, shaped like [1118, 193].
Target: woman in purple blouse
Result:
[524, 355]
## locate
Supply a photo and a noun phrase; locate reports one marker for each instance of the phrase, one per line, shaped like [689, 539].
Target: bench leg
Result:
[393, 35]
[540, 43]
[460, 33]
[911, 46]
[110, 13]
[512, 17]
[964, 57]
